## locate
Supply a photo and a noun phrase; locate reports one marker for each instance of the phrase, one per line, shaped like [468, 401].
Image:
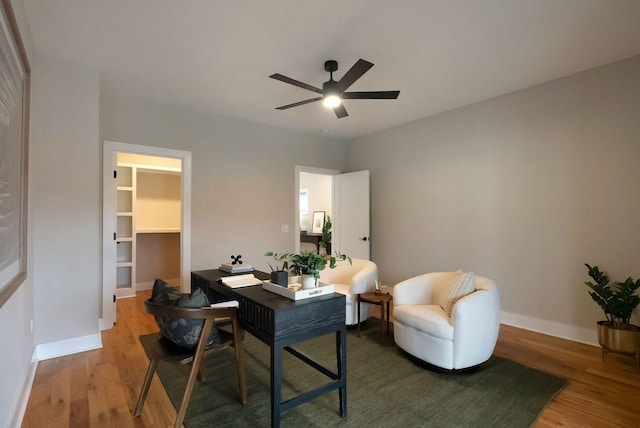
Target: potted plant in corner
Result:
[616, 334]
[308, 264]
[325, 240]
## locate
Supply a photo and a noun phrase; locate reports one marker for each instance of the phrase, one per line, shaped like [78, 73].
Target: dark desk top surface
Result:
[257, 294]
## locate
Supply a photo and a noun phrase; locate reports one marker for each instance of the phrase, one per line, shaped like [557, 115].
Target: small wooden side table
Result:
[379, 299]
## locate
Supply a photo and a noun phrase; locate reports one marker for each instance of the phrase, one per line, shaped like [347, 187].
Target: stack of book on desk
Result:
[240, 280]
[231, 268]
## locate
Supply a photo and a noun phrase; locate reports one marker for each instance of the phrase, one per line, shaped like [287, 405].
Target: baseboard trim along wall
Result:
[104, 324]
[46, 351]
[552, 328]
[148, 285]
[21, 406]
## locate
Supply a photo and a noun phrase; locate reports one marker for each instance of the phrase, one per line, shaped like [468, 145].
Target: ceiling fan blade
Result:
[297, 83]
[299, 103]
[340, 111]
[372, 95]
[354, 73]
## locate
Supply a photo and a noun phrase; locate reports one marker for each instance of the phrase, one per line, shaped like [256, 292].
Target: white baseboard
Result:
[148, 285]
[21, 406]
[552, 328]
[61, 348]
[104, 325]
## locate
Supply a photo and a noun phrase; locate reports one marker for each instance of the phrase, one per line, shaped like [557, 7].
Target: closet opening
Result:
[146, 222]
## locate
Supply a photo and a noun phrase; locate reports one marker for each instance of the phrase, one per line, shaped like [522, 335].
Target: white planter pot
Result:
[308, 281]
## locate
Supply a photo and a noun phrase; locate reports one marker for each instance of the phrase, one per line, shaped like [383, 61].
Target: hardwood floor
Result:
[100, 388]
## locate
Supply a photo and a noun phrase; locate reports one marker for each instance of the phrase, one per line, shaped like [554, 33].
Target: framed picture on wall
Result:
[14, 126]
[318, 222]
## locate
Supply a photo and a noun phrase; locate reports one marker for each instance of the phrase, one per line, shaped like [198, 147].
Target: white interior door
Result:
[351, 205]
[109, 250]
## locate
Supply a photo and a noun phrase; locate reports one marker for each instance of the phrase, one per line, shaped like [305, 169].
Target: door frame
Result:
[110, 149]
[309, 170]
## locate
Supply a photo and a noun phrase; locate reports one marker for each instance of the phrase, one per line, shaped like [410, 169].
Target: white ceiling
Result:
[441, 54]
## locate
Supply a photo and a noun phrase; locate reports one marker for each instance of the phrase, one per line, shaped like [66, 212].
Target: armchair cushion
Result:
[460, 284]
[182, 332]
[429, 319]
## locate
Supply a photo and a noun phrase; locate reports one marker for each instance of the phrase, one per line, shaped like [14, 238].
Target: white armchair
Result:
[351, 280]
[423, 329]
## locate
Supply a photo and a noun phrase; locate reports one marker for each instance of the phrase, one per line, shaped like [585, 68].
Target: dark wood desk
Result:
[311, 238]
[281, 323]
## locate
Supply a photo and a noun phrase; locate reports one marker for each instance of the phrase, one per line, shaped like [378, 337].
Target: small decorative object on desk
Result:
[280, 275]
[235, 265]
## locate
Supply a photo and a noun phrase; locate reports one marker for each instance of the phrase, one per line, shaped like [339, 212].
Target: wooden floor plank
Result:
[99, 388]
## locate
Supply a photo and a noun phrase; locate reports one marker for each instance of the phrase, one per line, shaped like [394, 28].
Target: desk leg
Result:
[382, 321]
[358, 303]
[276, 384]
[388, 316]
[341, 354]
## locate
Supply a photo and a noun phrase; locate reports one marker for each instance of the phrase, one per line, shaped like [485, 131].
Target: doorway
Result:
[146, 206]
[350, 211]
[314, 193]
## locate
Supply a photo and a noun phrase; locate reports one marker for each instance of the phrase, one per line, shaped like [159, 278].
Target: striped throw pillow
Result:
[459, 286]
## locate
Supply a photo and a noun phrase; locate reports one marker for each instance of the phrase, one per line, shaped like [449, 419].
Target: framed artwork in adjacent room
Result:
[318, 222]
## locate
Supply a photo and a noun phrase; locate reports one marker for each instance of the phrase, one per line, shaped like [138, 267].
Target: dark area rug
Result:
[384, 388]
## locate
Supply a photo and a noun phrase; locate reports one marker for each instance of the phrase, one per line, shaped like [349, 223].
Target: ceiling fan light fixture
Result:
[332, 92]
[331, 101]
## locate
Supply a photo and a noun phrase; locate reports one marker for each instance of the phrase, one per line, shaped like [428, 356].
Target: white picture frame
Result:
[317, 222]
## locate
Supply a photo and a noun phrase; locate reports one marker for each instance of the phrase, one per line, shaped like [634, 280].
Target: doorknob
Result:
[364, 238]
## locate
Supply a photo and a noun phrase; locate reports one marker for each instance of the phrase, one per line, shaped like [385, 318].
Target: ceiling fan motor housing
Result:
[330, 87]
[331, 66]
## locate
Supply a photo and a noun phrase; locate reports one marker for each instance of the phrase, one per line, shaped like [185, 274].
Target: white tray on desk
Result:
[295, 292]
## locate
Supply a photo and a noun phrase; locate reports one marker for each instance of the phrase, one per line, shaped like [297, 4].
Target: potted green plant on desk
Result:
[616, 334]
[308, 264]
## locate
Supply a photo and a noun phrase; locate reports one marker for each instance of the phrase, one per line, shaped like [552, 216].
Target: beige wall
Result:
[157, 201]
[157, 256]
[243, 173]
[65, 182]
[523, 188]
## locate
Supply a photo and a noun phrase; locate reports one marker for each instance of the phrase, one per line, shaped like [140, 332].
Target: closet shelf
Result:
[163, 230]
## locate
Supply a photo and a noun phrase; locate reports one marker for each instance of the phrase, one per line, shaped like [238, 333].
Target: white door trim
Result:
[110, 148]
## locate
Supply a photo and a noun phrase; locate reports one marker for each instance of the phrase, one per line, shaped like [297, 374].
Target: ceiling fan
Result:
[334, 92]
